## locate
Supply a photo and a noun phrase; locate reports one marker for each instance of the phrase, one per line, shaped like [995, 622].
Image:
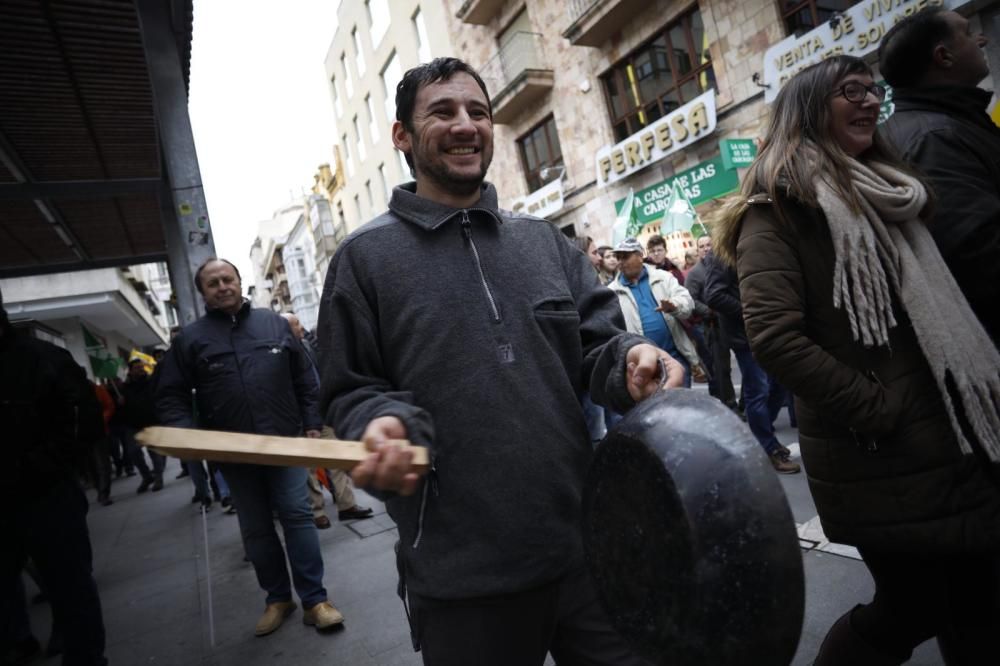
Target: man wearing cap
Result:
[654, 304]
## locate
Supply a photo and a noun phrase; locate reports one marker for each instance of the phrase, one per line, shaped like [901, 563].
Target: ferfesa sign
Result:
[678, 129]
[859, 31]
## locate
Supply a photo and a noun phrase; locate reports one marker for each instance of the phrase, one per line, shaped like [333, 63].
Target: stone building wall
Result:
[738, 32]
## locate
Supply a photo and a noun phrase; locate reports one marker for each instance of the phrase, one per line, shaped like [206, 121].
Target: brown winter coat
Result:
[884, 467]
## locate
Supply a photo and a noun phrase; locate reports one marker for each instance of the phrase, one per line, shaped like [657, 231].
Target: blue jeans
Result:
[756, 400]
[256, 490]
[220, 481]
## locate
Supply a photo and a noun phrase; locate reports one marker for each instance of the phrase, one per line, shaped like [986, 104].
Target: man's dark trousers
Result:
[563, 618]
[51, 529]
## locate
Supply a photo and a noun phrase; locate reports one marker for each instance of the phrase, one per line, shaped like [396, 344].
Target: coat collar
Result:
[967, 102]
[241, 314]
[406, 204]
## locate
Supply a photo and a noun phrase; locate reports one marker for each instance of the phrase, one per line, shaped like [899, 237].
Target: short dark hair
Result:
[602, 250]
[439, 69]
[582, 243]
[197, 273]
[906, 52]
[656, 240]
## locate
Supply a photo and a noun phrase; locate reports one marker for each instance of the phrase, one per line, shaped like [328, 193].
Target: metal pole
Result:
[208, 579]
[188, 209]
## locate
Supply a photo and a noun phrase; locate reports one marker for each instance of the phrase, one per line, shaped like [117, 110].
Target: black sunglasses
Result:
[856, 93]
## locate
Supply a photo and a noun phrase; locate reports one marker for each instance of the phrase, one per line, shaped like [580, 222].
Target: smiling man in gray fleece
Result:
[462, 352]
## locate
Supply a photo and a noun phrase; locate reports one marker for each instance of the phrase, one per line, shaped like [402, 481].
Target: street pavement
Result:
[152, 570]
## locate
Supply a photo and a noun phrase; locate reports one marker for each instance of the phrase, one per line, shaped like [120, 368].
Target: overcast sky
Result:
[261, 110]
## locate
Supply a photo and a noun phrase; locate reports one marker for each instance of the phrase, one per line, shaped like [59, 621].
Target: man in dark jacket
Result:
[462, 353]
[43, 396]
[933, 62]
[251, 375]
[720, 382]
[138, 411]
[762, 398]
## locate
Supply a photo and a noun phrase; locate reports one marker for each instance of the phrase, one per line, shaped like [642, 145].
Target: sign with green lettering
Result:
[701, 183]
[737, 153]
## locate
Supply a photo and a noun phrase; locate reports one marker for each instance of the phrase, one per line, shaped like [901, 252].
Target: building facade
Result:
[304, 282]
[105, 311]
[270, 287]
[594, 100]
[376, 41]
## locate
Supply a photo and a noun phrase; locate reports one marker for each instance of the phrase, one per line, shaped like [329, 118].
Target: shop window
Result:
[801, 16]
[666, 72]
[540, 153]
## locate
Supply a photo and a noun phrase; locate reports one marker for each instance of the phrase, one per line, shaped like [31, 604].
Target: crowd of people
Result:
[855, 270]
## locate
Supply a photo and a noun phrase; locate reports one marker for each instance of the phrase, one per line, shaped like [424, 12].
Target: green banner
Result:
[701, 183]
[737, 153]
[102, 363]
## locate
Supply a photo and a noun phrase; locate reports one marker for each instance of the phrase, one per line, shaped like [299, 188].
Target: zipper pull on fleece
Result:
[466, 224]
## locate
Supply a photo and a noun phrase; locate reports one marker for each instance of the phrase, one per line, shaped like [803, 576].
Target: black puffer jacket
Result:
[722, 294]
[946, 133]
[250, 373]
[139, 408]
[885, 469]
[44, 397]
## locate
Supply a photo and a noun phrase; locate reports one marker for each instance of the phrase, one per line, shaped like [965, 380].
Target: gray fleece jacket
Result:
[479, 329]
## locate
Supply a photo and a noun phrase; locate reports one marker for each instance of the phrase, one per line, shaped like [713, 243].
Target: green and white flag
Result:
[103, 364]
[680, 215]
[627, 224]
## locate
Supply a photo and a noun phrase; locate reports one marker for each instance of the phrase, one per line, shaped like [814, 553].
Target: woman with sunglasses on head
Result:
[849, 304]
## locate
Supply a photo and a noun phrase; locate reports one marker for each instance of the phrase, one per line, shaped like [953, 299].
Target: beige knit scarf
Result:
[887, 249]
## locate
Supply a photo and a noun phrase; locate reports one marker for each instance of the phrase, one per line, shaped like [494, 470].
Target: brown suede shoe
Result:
[322, 522]
[782, 465]
[273, 616]
[322, 616]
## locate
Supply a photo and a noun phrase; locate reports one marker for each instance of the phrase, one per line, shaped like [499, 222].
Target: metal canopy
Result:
[81, 160]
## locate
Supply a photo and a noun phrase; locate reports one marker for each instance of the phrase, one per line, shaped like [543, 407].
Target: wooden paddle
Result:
[237, 447]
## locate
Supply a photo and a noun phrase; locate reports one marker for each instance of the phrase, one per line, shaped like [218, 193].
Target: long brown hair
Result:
[798, 145]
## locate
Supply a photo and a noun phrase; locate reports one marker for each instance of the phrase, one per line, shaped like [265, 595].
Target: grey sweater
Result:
[479, 330]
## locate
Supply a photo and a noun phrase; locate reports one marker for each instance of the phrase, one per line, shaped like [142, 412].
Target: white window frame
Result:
[362, 153]
[347, 156]
[348, 83]
[372, 122]
[359, 56]
[423, 42]
[390, 90]
[384, 177]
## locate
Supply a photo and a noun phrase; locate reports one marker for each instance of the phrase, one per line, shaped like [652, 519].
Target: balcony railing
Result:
[593, 22]
[578, 8]
[517, 76]
[479, 12]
